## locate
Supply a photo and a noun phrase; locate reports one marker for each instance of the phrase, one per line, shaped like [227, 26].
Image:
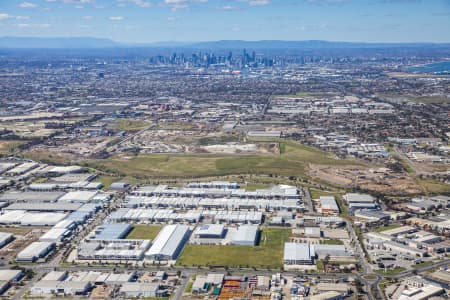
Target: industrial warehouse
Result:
[166, 227]
[169, 243]
[306, 253]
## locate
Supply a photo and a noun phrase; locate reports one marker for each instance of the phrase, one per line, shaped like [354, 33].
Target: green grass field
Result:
[430, 99]
[433, 187]
[292, 161]
[422, 264]
[107, 180]
[268, 254]
[384, 228]
[7, 147]
[130, 125]
[390, 272]
[332, 242]
[144, 232]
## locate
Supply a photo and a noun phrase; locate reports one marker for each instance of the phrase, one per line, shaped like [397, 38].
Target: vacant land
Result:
[16, 230]
[418, 99]
[49, 157]
[422, 264]
[268, 254]
[430, 99]
[130, 125]
[390, 272]
[107, 180]
[7, 147]
[144, 232]
[293, 161]
[362, 176]
[332, 242]
[384, 228]
[433, 186]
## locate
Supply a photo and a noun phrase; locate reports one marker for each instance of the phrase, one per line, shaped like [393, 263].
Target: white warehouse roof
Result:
[298, 252]
[169, 241]
[54, 235]
[245, 235]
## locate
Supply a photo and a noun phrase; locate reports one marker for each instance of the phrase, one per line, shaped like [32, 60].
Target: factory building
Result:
[306, 253]
[23, 218]
[55, 235]
[116, 249]
[78, 196]
[43, 187]
[44, 207]
[5, 238]
[335, 252]
[35, 251]
[29, 196]
[210, 231]
[298, 254]
[214, 185]
[208, 202]
[360, 201]
[154, 215]
[328, 205]
[371, 216]
[169, 242]
[246, 235]
[142, 290]
[279, 192]
[67, 288]
[111, 231]
[7, 277]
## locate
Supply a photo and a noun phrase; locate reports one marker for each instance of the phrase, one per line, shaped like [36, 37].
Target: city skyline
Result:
[148, 21]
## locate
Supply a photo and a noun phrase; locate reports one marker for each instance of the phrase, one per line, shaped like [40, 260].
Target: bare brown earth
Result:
[379, 180]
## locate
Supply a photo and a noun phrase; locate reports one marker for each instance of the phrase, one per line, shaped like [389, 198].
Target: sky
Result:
[146, 21]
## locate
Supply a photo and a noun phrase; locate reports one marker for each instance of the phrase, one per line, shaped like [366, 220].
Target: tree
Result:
[326, 260]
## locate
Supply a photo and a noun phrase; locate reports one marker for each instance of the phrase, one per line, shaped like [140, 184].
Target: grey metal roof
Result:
[168, 240]
[14, 196]
[332, 250]
[359, 198]
[43, 206]
[246, 234]
[329, 202]
[112, 231]
[298, 252]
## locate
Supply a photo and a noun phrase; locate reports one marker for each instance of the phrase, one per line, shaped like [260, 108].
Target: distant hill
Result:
[312, 44]
[56, 43]
[89, 42]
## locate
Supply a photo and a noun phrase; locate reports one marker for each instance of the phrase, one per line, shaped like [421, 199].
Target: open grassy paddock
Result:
[144, 232]
[16, 230]
[7, 147]
[384, 228]
[293, 161]
[130, 125]
[268, 254]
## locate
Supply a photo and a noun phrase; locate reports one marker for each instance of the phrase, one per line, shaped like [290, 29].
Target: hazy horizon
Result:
[152, 21]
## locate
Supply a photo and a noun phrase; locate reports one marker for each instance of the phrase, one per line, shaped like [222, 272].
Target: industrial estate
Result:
[224, 173]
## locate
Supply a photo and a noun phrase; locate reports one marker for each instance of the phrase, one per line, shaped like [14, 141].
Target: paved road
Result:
[367, 268]
[19, 294]
[182, 286]
[307, 200]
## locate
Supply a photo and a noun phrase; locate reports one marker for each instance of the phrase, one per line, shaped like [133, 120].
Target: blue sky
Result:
[146, 21]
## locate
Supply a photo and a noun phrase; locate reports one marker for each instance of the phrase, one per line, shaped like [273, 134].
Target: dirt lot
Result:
[363, 177]
[20, 242]
[101, 292]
